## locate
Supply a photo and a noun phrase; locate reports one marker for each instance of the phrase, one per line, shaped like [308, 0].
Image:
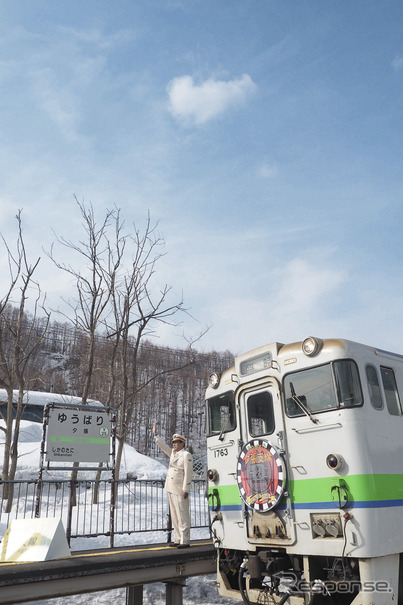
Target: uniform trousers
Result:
[180, 516]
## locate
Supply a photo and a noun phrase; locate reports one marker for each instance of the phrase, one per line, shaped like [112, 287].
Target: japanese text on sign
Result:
[78, 435]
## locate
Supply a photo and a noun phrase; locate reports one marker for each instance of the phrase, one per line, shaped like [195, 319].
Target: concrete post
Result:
[134, 595]
[174, 592]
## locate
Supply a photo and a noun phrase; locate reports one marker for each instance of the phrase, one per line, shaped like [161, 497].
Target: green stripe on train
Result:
[365, 488]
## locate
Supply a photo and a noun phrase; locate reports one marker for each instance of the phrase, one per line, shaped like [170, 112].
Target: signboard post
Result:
[75, 434]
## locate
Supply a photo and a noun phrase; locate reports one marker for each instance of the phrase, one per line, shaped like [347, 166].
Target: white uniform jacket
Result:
[180, 471]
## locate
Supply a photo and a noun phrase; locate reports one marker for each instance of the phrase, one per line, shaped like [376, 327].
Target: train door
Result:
[262, 465]
[223, 438]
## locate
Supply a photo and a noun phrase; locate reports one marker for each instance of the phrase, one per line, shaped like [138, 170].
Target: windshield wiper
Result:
[221, 435]
[302, 406]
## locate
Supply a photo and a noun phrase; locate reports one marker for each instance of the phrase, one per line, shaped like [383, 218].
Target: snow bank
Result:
[29, 448]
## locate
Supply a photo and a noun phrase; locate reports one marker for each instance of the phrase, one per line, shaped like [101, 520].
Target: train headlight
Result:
[214, 380]
[212, 474]
[311, 346]
[334, 462]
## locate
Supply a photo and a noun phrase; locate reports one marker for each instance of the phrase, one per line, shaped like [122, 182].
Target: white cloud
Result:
[303, 285]
[397, 63]
[59, 104]
[99, 38]
[267, 170]
[198, 103]
[298, 299]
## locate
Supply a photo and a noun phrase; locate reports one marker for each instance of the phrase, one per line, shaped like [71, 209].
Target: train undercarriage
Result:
[272, 577]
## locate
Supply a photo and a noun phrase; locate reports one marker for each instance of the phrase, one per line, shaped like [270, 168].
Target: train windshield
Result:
[327, 387]
[221, 413]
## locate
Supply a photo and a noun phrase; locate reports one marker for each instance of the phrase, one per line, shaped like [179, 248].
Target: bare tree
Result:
[20, 337]
[97, 269]
[117, 297]
[94, 279]
[138, 308]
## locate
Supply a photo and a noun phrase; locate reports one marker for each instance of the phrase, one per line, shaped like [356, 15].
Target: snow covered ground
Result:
[199, 590]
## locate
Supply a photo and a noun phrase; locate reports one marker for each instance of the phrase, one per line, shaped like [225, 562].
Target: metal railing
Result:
[102, 507]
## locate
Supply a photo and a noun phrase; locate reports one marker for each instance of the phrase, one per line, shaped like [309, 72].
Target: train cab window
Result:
[391, 393]
[374, 387]
[221, 413]
[323, 388]
[260, 414]
[347, 384]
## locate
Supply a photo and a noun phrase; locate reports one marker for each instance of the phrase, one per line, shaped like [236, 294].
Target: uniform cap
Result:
[177, 437]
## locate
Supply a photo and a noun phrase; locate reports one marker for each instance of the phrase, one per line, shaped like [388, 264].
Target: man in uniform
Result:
[177, 485]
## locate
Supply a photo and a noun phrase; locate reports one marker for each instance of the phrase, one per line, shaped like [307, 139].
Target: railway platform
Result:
[106, 569]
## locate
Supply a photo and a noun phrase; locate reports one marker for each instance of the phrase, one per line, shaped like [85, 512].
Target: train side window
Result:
[221, 413]
[348, 383]
[391, 393]
[374, 387]
[260, 414]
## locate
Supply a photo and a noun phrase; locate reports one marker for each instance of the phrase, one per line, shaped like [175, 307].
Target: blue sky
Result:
[265, 136]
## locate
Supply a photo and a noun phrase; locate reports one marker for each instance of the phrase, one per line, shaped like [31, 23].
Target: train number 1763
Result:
[221, 452]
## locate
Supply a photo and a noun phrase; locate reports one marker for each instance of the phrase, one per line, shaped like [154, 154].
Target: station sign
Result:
[76, 435]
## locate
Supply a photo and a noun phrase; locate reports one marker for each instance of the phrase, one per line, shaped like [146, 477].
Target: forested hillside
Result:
[170, 382]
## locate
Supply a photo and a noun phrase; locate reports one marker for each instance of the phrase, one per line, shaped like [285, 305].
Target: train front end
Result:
[290, 463]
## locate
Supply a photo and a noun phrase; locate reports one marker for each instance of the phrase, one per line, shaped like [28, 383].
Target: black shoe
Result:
[183, 546]
[172, 544]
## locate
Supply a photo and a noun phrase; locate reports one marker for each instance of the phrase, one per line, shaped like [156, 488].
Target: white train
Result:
[305, 457]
